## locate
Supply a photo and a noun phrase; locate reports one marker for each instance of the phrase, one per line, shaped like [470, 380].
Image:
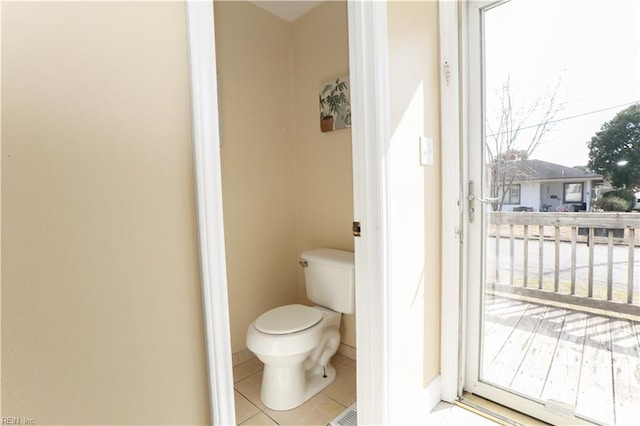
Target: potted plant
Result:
[334, 103]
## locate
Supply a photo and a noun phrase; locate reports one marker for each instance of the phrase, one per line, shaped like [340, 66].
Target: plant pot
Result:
[326, 124]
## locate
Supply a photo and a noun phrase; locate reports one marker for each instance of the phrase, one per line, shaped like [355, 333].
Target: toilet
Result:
[296, 342]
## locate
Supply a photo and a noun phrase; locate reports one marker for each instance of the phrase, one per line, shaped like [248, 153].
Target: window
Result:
[573, 192]
[512, 195]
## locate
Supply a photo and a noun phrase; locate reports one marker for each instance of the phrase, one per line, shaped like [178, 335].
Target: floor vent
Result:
[348, 417]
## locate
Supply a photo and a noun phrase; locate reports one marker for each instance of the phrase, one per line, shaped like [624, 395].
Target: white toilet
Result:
[295, 342]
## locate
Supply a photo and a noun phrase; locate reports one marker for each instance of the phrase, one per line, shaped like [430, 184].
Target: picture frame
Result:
[335, 105]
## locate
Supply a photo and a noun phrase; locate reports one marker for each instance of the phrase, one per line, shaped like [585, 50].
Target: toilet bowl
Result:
[295, 343]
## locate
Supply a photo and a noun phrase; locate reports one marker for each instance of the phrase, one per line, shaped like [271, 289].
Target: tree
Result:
[514, 132]
[614, 151]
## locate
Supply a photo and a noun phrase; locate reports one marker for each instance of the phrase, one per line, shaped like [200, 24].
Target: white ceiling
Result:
[289, 10]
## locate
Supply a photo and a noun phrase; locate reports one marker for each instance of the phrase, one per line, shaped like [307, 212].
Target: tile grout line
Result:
[263, 411]
[257, 414]
[250, 402]
[333, 399]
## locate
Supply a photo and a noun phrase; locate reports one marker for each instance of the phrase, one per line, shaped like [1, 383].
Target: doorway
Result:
[552, 326]
[287, 186]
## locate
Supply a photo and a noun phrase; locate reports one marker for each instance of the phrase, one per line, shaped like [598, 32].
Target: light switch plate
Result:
[426, 151]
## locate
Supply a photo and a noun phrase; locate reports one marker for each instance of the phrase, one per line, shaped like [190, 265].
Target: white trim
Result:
[370, 138]
[243, 355]
[452, 204]
[474, 152]
[347, 351]
[433, 394]
[206, 154]
[463, 72]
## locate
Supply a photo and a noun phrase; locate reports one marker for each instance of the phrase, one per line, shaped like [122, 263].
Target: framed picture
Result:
[335, 105]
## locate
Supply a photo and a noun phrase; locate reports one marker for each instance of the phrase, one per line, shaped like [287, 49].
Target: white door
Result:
[507, 356]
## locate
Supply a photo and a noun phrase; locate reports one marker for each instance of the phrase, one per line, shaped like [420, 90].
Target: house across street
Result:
[540, 186]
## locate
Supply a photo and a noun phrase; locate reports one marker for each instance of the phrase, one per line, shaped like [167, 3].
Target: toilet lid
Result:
[288, 319]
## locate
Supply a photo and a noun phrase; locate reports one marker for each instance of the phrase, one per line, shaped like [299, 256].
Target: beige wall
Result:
[324, 184]
[415, 106]
[428, 23]
[287, 187]
[101, 306]
[255, 67]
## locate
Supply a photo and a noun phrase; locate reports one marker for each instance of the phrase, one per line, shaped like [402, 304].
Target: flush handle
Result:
[356, 229]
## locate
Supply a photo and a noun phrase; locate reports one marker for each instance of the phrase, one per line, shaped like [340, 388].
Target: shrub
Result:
[627, 196]
[613, 204]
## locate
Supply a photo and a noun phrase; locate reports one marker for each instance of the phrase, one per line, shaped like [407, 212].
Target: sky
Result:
[592, 47]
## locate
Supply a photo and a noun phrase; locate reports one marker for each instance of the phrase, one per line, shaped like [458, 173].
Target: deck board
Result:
[566, 357]
[564, 372]
[626, 371]
[502, 369]
[498, 327]
[532, 374]
[595, 391]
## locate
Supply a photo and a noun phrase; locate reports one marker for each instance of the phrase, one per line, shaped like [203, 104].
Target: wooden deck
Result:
[586, 363]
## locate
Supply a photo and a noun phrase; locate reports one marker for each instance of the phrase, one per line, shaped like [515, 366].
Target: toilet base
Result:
[316, 383]
[295, 387]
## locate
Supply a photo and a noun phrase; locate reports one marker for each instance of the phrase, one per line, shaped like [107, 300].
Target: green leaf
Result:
[617, 140]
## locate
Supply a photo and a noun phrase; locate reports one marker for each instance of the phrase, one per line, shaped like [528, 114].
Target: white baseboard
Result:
[348, 351]
[416, 402]
[433, 394]
[241, 356]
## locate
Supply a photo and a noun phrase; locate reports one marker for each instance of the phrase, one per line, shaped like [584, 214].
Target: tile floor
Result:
[325, 406]
[319, 410]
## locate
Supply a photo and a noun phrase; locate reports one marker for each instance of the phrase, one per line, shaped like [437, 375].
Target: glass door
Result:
[552, 261]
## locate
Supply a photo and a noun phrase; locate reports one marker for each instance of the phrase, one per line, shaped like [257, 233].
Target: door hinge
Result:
[356, 229]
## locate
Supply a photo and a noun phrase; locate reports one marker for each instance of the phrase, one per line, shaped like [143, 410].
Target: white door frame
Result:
[208, 185]
[453, 203]
[369, 94]
[370, 137]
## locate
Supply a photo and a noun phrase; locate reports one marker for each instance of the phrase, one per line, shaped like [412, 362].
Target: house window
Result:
[512, 194]
[573, 192]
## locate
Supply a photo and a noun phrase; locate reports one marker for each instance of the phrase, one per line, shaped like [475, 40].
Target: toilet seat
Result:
[288, 319]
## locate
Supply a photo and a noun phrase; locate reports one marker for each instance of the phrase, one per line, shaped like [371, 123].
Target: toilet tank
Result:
[330, 278]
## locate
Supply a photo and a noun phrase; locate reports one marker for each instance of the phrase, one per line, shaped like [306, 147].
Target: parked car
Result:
[637, 206]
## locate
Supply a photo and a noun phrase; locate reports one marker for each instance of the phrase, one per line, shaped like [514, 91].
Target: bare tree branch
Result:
[506, 143]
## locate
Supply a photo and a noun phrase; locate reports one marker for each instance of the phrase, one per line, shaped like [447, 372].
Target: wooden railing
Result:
[546, 255]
